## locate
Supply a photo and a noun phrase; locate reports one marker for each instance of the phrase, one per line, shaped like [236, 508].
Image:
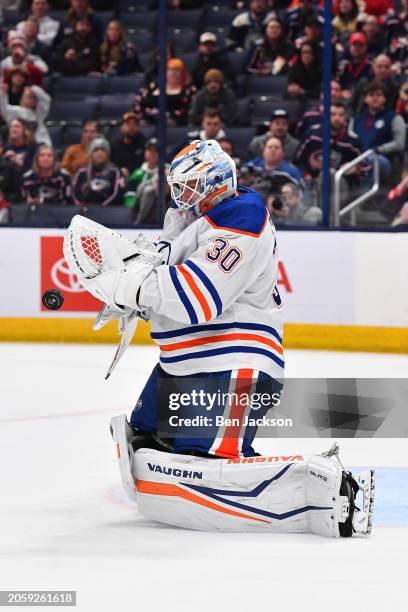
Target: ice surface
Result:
[66, 524]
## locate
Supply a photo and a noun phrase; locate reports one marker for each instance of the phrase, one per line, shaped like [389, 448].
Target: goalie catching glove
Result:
[109, 266]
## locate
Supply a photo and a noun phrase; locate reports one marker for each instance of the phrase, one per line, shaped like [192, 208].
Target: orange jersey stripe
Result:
[158, 488]
[229, 444]
[197, 292]
[220, 338]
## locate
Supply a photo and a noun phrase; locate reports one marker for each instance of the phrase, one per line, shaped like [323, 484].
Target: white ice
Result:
[66, 524]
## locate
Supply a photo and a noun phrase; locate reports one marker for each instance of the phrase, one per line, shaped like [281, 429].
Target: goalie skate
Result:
[363, 517]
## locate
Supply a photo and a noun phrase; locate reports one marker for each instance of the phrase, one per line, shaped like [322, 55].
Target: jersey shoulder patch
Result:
[243, 214]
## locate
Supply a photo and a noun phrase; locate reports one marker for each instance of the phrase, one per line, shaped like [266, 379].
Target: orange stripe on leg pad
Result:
[170, 490]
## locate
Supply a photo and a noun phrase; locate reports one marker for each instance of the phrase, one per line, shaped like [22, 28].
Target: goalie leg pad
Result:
[299, 494]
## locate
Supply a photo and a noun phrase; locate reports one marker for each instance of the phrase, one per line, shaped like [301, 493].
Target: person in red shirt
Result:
[378, 7]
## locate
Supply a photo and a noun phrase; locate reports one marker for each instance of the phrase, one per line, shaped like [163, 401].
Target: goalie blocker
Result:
[298, 493]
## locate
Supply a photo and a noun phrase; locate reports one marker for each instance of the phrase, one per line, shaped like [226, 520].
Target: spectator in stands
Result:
[101, 182]
[346, 18]
[398, 49]
[45, 183]
[18, 80]
[358, 67]
[216, 95]
[343, 146]
[118, 55]
[35, 66]
[249, 26]
[10, 175]
[289, 207]
[313, 34]
[378, 7]
[382, 70]
[396, 208]
[20, 147]
[211, 129]
[33, 109]
[314, 115]
[152, 68]
[382, 129]
[143, 184]
[79, 53]
[374, 33]
[273, 55]
[228, 147]
[127, 148]
[305, 76]
[48, 27]
[77, 155]
[79, 8]
[394, 22]
[4, 207]
[278, 128]
[297, 15]
[30, 31]
[402, 106]
[273, 163]
[210, 56]
[178, 96]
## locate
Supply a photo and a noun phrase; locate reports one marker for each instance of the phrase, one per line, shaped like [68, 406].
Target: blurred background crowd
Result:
[79, 103]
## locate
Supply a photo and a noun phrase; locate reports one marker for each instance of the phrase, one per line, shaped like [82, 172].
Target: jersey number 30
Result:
[226, 255]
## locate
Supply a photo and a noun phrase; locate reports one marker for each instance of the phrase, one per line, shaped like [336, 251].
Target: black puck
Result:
[52, 299]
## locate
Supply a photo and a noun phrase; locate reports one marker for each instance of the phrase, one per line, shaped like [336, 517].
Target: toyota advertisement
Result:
[314, 284]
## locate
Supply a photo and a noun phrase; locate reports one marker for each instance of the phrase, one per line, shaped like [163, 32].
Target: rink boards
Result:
[340, 290]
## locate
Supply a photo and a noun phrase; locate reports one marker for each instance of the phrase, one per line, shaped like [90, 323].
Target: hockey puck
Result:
[52, 299]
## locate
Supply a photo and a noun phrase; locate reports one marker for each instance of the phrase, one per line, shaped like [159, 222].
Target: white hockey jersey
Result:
[215, 303]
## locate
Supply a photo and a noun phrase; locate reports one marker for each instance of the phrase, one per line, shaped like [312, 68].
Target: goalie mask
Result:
[201, 175]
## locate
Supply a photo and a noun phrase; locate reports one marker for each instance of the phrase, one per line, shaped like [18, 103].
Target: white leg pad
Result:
[297, 494]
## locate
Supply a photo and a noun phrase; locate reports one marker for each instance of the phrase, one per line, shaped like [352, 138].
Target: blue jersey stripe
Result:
[182, 295]
[217, 326]
[224, 351]
[207, 283]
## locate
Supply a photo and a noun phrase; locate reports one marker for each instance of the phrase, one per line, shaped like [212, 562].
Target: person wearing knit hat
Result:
[215, 95]
[178, 96]
[214, 76]
[17, 45]
[101, 182]
[97, 144]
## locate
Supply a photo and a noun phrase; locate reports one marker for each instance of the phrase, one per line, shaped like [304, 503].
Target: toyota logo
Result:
[64, 279]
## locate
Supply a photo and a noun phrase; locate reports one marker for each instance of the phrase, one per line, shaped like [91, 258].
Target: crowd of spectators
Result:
[79, 101]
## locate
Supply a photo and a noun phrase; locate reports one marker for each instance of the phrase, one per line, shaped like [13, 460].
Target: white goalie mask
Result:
[201, 175]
